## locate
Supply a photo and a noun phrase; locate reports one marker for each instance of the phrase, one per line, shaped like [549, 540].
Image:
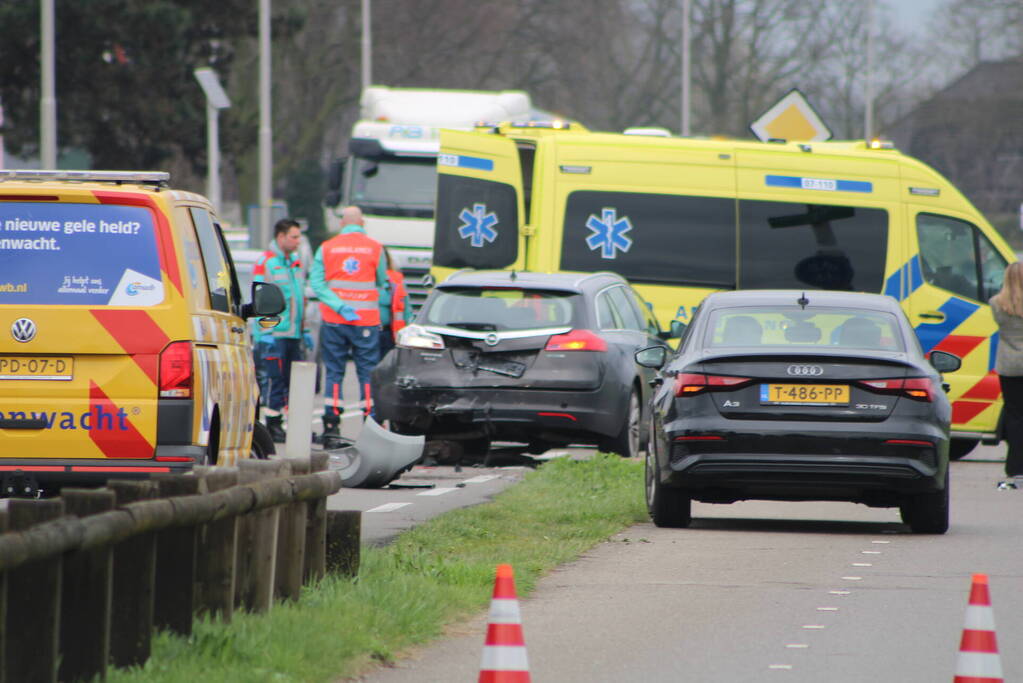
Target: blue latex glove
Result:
[347, 312]
[307, 340]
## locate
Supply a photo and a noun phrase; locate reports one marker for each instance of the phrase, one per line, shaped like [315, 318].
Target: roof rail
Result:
[158, 178]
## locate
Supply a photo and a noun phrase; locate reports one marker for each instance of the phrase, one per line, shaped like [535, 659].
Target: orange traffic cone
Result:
[978, 650]
[504, 653]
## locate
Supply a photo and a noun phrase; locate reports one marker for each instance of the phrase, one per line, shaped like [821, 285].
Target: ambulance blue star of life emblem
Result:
[477, 226]
[607, 233]
[350, 265]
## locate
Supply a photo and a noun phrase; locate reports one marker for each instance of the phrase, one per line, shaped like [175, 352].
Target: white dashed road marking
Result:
[388, 507]
[480, 479]
[436, 492]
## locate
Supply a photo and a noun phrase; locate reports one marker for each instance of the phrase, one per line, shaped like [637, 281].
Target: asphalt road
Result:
[768, 591]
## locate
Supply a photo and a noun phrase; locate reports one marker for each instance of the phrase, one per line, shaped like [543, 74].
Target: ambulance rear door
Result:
[480, 210]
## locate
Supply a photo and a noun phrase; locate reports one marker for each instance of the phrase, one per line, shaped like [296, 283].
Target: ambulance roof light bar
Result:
[139, 177]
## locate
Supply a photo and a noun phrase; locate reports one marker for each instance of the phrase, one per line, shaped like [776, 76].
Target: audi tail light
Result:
[691, 384]
[916, 388]
[176, 370]
[576, 340]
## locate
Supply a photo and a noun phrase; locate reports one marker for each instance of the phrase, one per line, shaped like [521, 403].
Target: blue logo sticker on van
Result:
[477, 225]
[826, 184]
[463, 161]
[607, 233]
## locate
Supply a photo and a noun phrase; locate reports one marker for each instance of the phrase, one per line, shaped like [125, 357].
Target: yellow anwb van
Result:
[682, 217]
[123, 345]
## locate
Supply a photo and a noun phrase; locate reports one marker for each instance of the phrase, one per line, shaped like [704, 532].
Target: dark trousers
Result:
[338, 343]
[276, 361]
[1012, 394]
[386, 340]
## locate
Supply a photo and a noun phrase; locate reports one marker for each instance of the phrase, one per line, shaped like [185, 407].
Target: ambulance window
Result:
[527, 155]
[992, 267]
[218, 273]
[785, 245]
[477, 223]
[956, 256]
[655, 238]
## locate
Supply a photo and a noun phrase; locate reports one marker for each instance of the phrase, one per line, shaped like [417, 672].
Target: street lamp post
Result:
[685, 68]
[265, 130]
[367, 45]
[48, 100]
[216, 99]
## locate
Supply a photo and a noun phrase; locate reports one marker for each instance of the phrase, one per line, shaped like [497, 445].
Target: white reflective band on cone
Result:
[979, 665]
[505, 611]
[980, 618]
[504, 658]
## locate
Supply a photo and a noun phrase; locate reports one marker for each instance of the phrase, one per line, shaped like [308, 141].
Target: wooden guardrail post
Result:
[257, 544]
[131, 624]
[315, 563]
[3, 605]
[218, 542]
[291, 541]
[174, 593]
[344, 530]
[86, 595]
[33, 600]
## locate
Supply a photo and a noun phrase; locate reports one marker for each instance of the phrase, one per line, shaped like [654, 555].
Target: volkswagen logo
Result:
[805, 370]
[491, 339]
[23, 330]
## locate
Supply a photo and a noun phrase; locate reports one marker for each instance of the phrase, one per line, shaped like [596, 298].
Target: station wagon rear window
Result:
[78, 254]
[497, 309]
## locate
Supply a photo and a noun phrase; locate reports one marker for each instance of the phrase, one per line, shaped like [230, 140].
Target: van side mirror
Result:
[334, 179]
[267, 300]
[652, 357]
[676, 330]
[942, 361]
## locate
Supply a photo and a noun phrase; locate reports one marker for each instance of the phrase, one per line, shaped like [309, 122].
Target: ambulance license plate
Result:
[36, 367]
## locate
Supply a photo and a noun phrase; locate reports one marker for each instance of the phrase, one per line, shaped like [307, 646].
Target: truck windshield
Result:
[395, 185]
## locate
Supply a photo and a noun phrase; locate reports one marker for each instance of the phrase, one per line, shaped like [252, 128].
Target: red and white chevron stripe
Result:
[504, 653]
[978, 650]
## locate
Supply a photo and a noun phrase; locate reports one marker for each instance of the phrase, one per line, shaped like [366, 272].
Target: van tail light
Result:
[693, 383]
[176, 370]
[916, 388]
[576, 340]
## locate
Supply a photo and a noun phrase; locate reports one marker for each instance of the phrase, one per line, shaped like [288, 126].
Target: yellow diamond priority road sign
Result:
[791, 118]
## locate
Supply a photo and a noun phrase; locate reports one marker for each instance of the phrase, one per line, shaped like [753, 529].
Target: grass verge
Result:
[407, 592]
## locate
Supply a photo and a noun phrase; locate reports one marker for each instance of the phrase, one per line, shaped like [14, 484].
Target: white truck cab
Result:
[391, 170]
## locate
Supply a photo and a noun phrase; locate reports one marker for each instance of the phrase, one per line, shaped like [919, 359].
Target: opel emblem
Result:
[805, 370]
[491, 339]
[23, 330]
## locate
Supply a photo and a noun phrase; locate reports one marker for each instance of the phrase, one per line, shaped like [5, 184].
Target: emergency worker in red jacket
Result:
[347, 274]
[395, 307]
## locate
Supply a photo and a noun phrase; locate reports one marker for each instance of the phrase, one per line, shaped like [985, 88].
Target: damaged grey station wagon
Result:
[541, 359]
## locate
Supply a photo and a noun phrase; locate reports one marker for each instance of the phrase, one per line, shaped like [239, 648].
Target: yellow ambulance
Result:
[683, 217]
[123, 344]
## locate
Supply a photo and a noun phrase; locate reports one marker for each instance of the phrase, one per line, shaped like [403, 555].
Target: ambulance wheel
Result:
[262, 442]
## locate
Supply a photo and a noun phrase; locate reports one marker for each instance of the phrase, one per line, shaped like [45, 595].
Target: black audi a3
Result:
[544, 359]
[786, 395]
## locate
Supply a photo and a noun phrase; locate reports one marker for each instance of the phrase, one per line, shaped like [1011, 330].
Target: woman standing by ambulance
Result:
[1007, 307]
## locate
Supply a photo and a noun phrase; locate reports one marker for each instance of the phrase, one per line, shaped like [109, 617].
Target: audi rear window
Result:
[820, 327]
[78, 254]
[497, 309]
